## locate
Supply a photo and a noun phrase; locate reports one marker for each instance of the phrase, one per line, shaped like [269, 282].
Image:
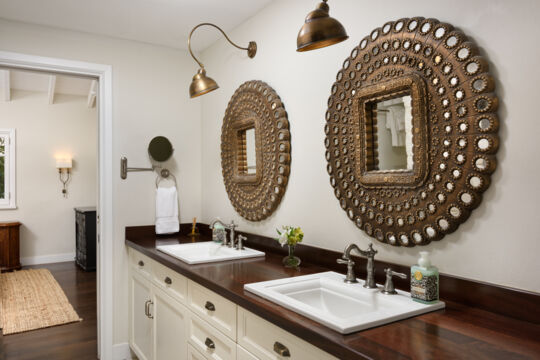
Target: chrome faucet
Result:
[369, 254]
[232, 226]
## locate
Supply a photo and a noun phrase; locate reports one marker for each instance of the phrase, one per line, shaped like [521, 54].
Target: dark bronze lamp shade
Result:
[320, 30]
[201, 84]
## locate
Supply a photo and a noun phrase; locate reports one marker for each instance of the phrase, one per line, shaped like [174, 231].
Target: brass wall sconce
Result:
[64, 173]
[202, 84]
[320, 30]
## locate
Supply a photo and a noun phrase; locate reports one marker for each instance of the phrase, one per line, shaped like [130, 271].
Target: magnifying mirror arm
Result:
[251, 49]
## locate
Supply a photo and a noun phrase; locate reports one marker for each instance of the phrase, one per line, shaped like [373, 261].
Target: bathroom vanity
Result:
[202, 311]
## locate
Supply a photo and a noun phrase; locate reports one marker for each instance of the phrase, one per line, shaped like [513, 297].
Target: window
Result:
[7, 169]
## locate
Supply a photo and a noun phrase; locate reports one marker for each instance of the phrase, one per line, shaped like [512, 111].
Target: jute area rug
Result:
[32, 299]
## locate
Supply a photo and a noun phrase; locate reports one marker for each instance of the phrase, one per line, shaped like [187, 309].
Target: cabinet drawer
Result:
[218, 311]
[170, 281]
[141, 263]
[243, 354]
[210, 341]
[194, 354]
[267, 341]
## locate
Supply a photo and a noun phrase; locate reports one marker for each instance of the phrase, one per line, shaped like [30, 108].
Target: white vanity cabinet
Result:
[158, 320]
[173, 318]
[140, 330]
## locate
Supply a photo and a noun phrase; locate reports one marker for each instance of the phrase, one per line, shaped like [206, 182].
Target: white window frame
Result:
[9, 167]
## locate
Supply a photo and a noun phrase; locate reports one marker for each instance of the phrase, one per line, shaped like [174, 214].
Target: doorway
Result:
[105, 225]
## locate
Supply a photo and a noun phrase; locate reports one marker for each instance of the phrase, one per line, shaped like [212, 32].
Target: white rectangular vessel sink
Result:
[346, 308]
[205, 252]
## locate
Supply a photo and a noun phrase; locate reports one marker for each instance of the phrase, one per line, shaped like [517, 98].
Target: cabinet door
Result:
[140, 323]
[170, 323]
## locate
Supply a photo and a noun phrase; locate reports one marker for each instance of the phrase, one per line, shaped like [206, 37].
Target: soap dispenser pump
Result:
[424, 280]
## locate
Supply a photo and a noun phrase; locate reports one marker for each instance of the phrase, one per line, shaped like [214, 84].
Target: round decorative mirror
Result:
[160, 149]
[411, 132]
[255, 150]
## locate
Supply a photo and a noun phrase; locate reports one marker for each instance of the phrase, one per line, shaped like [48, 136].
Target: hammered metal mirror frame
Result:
[255, 105]
[454, 122]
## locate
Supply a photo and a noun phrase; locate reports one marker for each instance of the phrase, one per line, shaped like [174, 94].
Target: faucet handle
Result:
[350, 278]
[389, 288]
[240, 242]
[345, 261]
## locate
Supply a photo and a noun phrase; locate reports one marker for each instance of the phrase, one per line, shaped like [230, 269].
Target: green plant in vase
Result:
[290, 236]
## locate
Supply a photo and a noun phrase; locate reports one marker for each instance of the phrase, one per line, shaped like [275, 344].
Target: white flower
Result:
[283, 238]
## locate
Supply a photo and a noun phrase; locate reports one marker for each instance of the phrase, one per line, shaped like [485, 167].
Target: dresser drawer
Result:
[194, 354]
[209, 341]
[218, 311]
[170, 281]
[243, 354]
[267, 341]
[141, 263]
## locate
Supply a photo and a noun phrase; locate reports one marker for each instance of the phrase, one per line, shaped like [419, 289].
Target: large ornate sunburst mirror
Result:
[255, 150]
[411, 131]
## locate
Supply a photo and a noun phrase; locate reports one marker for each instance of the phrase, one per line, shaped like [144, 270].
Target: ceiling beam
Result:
[92, 94]
[6, 85]
[52, 86]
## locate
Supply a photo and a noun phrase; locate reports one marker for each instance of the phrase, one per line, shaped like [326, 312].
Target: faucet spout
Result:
[369, 254]
[231, 227]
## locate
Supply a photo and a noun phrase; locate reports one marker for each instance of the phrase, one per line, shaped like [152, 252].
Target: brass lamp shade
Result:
[201, 84]
[320, 30]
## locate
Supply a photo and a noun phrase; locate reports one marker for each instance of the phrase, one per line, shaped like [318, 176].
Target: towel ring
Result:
[164, 174]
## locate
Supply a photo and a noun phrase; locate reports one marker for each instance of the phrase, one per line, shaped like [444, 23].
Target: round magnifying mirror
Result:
[160, 149]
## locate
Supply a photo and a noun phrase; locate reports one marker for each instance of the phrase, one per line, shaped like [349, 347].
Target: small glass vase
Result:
[291, 261]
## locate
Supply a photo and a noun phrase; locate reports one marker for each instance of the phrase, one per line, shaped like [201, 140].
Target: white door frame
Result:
[105, 200]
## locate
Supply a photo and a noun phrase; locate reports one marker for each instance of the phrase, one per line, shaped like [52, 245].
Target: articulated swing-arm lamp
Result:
[202, 84]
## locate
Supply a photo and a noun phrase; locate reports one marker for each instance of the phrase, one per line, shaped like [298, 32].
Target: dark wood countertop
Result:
[457, 332]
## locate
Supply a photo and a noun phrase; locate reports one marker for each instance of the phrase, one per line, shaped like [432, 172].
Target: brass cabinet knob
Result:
[209, 306]
[168, 280]
[141, 263]
[281, 349]
[209, 343]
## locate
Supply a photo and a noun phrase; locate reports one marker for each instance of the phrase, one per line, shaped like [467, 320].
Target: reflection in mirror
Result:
[247, 159]
[393, 138]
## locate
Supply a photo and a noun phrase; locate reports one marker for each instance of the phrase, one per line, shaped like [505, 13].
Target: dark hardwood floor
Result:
[71, 341]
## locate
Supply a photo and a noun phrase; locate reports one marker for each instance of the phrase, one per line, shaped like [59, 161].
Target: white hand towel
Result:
[167, 210]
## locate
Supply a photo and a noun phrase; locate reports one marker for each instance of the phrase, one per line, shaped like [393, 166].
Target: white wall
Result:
[150, 97]
[43, 132]
[498, 244]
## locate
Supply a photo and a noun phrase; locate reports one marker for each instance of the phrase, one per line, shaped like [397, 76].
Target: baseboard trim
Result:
[122, 352]
[47, 259]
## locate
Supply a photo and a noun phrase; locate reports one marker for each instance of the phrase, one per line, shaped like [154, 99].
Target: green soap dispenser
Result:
[424, 280]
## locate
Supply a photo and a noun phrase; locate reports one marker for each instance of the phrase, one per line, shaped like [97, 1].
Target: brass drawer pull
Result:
[146, 310]
[141, 263]
[168, 280]
[150, 302]
[281, 349]
[209, 306]
[209, 343]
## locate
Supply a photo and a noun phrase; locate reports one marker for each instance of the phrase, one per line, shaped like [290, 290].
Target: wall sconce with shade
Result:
[320, 30]
[64, 167]
[202, 84]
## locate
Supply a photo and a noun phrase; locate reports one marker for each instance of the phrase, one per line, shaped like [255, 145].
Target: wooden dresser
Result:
[9, 246]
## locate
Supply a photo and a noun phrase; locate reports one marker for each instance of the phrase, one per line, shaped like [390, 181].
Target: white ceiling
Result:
[162, 22]
[34, 81]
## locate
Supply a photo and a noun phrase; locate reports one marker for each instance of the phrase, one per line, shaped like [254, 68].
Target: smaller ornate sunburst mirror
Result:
[255, 150]
[411, 131]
